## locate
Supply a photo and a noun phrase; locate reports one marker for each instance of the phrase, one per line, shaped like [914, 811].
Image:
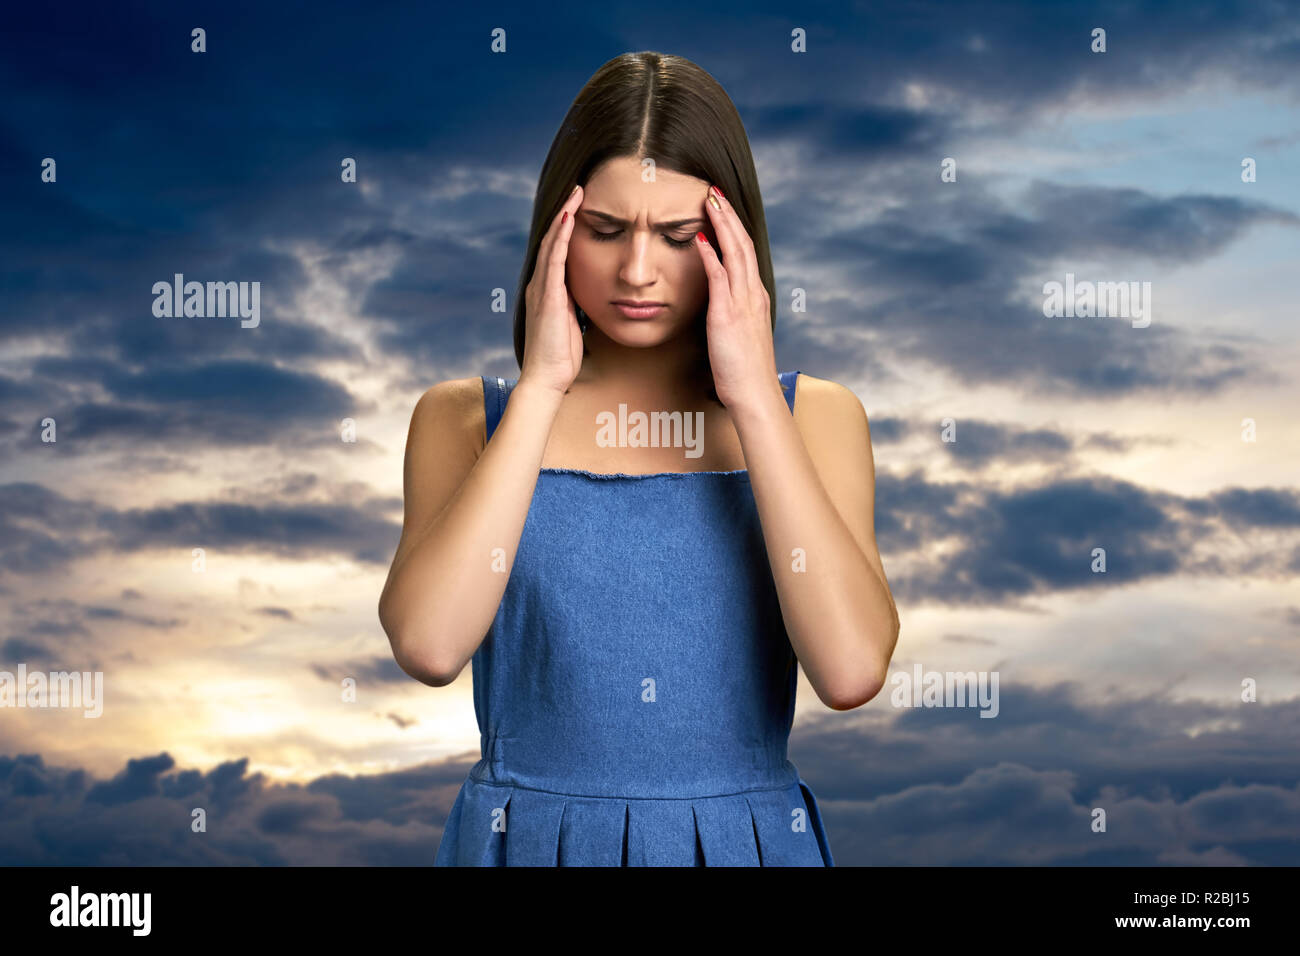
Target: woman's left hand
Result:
[739, 321]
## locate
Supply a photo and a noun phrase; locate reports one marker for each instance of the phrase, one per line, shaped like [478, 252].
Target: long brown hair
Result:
[658, 106]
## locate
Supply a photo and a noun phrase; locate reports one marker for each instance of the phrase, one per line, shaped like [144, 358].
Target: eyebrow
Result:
[672, 224]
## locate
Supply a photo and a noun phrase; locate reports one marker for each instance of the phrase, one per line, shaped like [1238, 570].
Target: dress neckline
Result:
[599, 475]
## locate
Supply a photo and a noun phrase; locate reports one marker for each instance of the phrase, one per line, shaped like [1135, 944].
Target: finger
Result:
[562, 224]
[560, 244]
[554, 249]
[719, 283]
[737, 249]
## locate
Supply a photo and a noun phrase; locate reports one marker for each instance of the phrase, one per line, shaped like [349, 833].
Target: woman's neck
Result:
[675, 368]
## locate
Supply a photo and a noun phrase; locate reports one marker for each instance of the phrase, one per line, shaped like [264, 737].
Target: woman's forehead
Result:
[628, 174]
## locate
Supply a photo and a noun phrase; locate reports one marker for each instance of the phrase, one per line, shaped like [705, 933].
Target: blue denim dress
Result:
[636, 690]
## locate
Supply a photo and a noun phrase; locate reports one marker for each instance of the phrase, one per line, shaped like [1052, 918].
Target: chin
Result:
[635, 332]
[639, 333]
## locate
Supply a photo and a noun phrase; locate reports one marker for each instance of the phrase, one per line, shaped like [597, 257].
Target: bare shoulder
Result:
[838, 438]
[441, 449]
[452, 411]
[828, 411]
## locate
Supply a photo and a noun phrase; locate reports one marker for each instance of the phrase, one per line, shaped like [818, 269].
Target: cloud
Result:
[896, 787]
[1181, 782]
[1018, 542]
[42, 530]
[1009, 543]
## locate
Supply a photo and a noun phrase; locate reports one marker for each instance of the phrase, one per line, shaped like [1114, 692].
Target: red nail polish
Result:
[564, 218]
[700, 237]
[718, 191]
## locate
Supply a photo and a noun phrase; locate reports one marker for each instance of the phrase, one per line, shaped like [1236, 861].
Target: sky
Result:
[1172, 445]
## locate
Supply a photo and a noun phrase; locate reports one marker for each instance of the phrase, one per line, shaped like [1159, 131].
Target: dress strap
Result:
[496, 392]
[787, 386]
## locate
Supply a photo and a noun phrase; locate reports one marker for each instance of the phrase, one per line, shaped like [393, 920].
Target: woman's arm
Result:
[445, 584]
[819, 529]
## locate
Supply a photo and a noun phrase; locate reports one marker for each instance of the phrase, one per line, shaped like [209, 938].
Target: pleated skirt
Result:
[496, 824]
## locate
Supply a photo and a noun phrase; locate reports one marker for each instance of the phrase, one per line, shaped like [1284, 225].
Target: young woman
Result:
[636, 613]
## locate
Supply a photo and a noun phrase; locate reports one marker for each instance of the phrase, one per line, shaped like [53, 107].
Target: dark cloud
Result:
[16, 649]
[945, 276]
[138, 782]
[282, 613]
[142, 817]
[947, 787]
[939, 263]
[979, 443]
[887, 429]
[896, 787]
[43, 529]
[1259, 507]
[205, 404]
[1010, 543]
[1015, 543]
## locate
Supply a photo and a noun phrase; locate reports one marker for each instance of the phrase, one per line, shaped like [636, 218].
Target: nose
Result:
[637, 267]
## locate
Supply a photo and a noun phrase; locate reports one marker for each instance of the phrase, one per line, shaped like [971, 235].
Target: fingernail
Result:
[714, 203]
[700, 237]
[719, 192]
[564, 218]
[573, 192]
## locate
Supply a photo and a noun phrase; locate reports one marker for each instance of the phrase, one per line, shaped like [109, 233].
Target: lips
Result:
[639, 310]
[636, 303]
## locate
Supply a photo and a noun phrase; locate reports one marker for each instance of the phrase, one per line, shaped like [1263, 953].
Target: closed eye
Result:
[609, 237]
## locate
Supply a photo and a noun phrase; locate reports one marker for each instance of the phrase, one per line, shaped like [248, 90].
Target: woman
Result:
[633, 609]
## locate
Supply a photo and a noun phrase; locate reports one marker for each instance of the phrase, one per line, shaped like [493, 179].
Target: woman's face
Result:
[623, 248]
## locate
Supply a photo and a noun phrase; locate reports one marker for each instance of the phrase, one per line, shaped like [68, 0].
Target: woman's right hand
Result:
[552, 338]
